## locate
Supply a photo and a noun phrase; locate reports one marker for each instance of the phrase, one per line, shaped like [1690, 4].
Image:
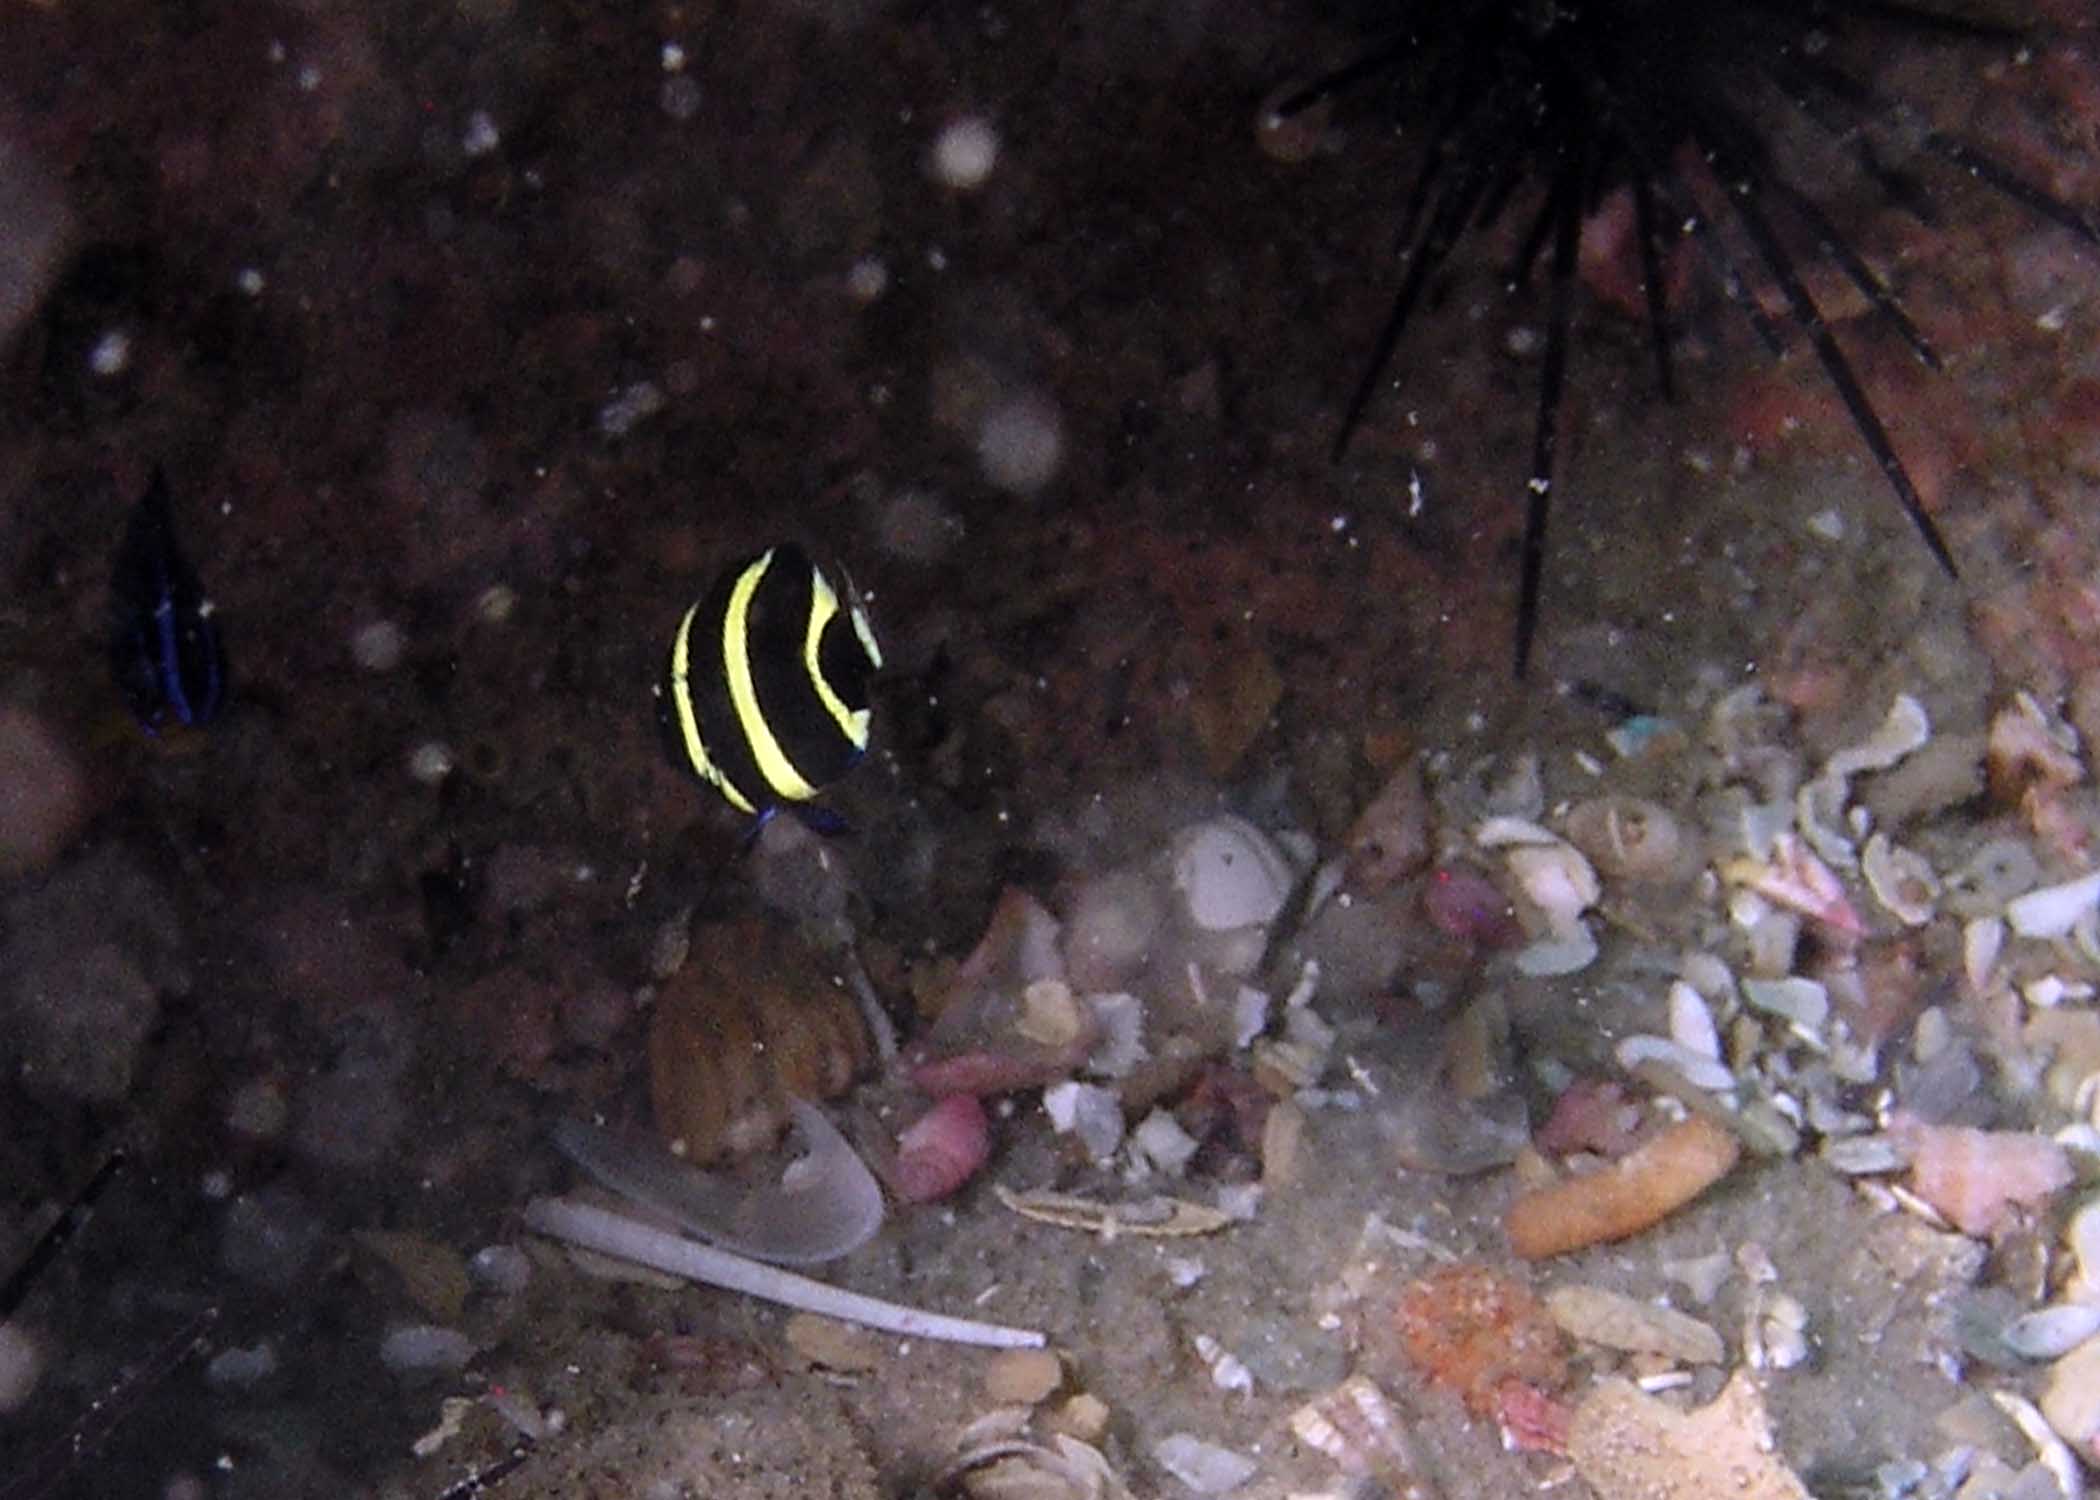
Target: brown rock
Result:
[1022, 1377]
[44, 801]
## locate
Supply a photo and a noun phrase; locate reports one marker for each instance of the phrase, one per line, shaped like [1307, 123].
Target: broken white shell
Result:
[1902, 880]
[1981, 941]
[1906, 728]
[1691, 1022]
[1697, 1069]
[1557, 880]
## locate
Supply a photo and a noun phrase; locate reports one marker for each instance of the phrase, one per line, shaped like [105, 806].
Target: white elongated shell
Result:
[2083, 1236]
[2049, 1331]
[1981, 941]
[1692, 1022]
[1502, 832]
[1697, 1069]
[1803, 1001]
[1902, 880]
[1230, 874]
[2054, 910]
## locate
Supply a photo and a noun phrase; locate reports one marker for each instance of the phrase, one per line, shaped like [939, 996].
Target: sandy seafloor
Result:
[386, 269]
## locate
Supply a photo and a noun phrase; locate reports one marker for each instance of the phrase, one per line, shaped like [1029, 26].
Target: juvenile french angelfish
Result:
[765, 696]
[169, 661]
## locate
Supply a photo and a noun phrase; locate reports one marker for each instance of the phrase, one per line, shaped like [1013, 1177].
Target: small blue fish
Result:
[166, 650]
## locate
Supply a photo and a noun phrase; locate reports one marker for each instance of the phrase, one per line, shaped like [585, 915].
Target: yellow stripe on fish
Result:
[766, 696]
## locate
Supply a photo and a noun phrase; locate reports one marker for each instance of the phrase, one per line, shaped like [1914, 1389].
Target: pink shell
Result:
[1974, 1176]
[942, 1149]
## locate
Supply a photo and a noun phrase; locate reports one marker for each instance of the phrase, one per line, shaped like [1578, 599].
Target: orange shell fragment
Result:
[1634, 1193]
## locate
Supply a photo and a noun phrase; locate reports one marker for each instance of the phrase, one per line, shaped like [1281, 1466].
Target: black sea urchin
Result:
[1562, 101]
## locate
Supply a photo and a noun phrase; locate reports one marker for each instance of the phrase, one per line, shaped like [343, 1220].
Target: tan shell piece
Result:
[1631, 1446]
[1627, 838]
[752, 1019]
[1902, 880]
[1160, 1216]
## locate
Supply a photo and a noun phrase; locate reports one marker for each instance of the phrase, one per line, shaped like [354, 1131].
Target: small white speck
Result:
[1020, 444]
[1827, 524]
[275, 51]
[936, 258]
[673, 57]
[1414, 494]
[496, 603]
[482, 137]
[1337, 524]
[965, 153]
[379, 646]
[2054, 319]
[111, 354]
[619, 416]
[679, 97]
[217, 1185]
[431, 762]
[249, 281]
[309, 78]
[868, 278]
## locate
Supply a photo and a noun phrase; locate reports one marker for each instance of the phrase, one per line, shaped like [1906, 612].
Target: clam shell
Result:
[1801, 1001]
[2082, 1233]
[1626, 837]
[1230, 874]
[1981, 941]
[1902, 880]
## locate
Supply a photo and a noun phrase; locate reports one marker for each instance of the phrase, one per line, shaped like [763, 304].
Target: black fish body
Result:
[166, 652]
[765, 696]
